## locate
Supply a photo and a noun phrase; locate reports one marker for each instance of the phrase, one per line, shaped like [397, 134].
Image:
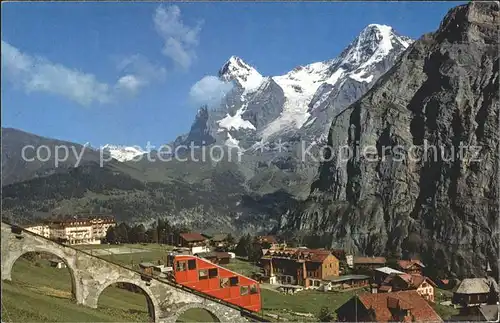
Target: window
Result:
[254, 289]
[234, 281]
[191, 264]
[181, 266]
[243, 290]
[212, 272]
[224, 282]
[202, 274]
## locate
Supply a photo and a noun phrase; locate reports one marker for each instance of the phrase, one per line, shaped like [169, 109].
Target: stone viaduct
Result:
[91, 275]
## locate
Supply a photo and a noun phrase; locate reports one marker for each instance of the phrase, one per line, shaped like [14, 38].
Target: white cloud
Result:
[209, 90]
[180, 40]
[129, 82]
[35, 73]
[38, 74]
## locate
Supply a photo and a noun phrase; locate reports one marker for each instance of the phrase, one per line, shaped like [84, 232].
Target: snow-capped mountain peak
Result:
[247, 77]
[372, 45]
[123, 153]
[306, 98]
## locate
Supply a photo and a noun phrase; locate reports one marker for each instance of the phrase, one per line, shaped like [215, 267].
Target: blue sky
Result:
[121, 73]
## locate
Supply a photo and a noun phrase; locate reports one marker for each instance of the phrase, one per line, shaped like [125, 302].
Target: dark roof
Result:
[369, 260]
[192, 237]
[410, 299]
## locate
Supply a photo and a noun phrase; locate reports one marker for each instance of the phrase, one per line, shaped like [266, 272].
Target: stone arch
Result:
[180, 311]
[12, 257]
[153, 304]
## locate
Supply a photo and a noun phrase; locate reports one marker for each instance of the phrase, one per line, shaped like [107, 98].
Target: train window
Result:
[212, 272]
[191, 264]
[224, 282]
[234, 281]
[181, 266]
[254, 289]
[243, 290]
[202, 274]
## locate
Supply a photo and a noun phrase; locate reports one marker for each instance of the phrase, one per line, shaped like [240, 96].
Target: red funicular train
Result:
[222, 283]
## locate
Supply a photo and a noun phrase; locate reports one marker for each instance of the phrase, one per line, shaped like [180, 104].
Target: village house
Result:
[412, 266]
[403, 306]
[473, 292]
[397, 282]
[191, 239]
[74, 231]
[299, 266]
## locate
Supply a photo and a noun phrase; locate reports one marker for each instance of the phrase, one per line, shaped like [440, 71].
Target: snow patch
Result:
[123, 153]
[293, 116]
[358, 77]
[299, 86]
[235, 122]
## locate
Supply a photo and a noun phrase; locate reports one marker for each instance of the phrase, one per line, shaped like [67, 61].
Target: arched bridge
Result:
[91, 275]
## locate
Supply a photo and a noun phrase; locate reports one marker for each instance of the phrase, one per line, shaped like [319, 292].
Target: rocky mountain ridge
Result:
[411, 193]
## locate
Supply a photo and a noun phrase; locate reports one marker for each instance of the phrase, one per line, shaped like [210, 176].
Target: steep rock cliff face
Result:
[422, 175]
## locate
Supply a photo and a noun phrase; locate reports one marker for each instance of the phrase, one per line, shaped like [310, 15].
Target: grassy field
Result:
[243, 267]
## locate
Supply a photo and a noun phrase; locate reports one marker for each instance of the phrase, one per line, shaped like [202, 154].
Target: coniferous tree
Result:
[111, 235]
